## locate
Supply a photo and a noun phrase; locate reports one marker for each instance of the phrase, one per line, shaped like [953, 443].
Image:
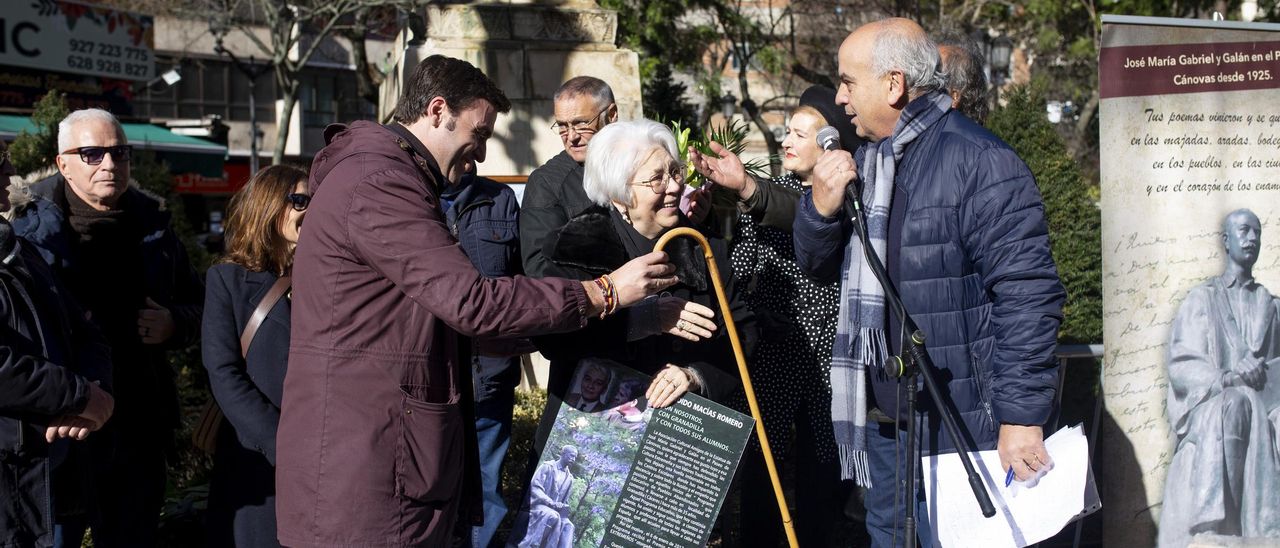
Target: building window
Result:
[330, 96]
[208, 87]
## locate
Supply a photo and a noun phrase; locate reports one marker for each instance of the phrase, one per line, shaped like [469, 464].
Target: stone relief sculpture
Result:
[1224, 477]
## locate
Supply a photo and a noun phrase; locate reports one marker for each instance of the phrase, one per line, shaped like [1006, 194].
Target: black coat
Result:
[146, 394]
[553, 195]
[48, 356]
[242, 490]
[591, 245]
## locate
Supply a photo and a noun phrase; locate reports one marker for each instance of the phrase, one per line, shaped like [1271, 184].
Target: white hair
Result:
[616, 152]
[914, 54]
[64, 127]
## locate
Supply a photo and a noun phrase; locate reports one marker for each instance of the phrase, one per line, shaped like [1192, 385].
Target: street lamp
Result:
[251, 70]
[999, 52]
[170, 77]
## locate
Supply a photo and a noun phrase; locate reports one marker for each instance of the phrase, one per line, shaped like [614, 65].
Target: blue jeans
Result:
[493, 432]
[887, 445]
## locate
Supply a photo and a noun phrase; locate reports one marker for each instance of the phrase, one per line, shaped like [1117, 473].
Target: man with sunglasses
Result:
[113, 247]
[583, 105]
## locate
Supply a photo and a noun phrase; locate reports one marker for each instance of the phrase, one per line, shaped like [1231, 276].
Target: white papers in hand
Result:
[1025, 513]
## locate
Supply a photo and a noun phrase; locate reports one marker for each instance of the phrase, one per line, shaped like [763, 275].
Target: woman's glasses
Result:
[299, 201]
[658, 184]
[94, 155]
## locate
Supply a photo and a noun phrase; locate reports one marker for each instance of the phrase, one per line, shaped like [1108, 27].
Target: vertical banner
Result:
[1190, 140]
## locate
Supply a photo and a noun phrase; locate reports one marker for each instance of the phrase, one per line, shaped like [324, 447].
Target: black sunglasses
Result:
[94, 155]
[299, 201]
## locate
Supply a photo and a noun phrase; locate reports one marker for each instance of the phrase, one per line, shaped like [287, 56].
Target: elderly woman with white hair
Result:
[634, 176]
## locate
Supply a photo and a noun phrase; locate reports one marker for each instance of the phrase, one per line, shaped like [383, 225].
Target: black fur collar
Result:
[590, 242]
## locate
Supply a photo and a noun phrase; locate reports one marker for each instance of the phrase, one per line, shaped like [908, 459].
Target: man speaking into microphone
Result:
[956, 218]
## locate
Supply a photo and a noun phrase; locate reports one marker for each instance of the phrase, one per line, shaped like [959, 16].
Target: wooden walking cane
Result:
[787, 525]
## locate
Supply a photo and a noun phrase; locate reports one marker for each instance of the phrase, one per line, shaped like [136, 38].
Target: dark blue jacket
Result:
[484, 217]
[242, 490]
[49, 354]
[168, 277]
[974, 271]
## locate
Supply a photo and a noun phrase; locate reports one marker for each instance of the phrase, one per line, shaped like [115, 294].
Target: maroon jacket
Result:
[374, 438]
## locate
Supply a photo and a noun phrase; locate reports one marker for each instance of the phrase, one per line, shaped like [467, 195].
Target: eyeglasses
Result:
[581, 127]
[299, 201]
[94, 155]
[658, 184]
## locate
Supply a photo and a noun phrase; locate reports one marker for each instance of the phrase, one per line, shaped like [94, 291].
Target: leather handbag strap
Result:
[277, 290]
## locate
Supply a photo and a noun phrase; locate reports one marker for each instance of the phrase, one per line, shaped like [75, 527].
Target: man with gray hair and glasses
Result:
[955, 217]
[114, 248]
[583, 105]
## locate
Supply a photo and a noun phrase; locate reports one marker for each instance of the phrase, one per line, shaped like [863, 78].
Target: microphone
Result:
[829, 138]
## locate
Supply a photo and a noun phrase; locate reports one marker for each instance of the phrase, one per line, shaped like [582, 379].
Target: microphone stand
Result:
[913, 362]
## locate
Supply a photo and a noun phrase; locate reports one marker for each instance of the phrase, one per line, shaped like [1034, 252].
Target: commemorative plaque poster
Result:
[1190, 141]
[618, 473]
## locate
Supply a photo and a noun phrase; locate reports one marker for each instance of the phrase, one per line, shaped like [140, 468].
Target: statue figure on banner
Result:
[1225, 474]
[549, 525]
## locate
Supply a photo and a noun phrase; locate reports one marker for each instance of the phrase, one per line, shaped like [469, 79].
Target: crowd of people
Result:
[365, 360]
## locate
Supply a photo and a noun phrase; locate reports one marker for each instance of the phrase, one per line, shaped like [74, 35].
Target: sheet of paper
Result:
[1025, 513]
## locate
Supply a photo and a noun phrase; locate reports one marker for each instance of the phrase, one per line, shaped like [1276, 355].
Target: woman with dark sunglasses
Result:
[262, 231]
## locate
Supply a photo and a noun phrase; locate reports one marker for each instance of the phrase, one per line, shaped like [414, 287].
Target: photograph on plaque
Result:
[616, 472]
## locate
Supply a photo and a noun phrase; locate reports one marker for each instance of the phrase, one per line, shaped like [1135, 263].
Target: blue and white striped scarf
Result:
[860, 341]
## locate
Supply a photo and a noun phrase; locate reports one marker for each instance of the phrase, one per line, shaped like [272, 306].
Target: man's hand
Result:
[155, 323]
[684, 319]
[726, 171]
[833, 172]
[95, 414]
[1252, 370]
[643, 276]
[67, 427]
[1022, 447]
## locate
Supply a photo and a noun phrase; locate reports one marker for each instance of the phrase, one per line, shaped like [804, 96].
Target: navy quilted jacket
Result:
[974, 271]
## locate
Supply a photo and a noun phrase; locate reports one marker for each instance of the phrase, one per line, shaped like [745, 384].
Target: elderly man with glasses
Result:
[583, 105]
[114, 249]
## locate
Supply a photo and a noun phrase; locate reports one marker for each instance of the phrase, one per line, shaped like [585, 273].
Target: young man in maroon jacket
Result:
[376, 445]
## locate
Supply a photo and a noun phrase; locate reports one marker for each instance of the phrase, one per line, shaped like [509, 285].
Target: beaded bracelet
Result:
[604, 294]
[613, 301]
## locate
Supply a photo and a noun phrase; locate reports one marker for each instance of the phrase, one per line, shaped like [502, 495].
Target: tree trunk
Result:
[366, 87]
[290, 98]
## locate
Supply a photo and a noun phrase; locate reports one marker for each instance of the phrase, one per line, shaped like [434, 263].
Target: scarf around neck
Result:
[860, 341]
